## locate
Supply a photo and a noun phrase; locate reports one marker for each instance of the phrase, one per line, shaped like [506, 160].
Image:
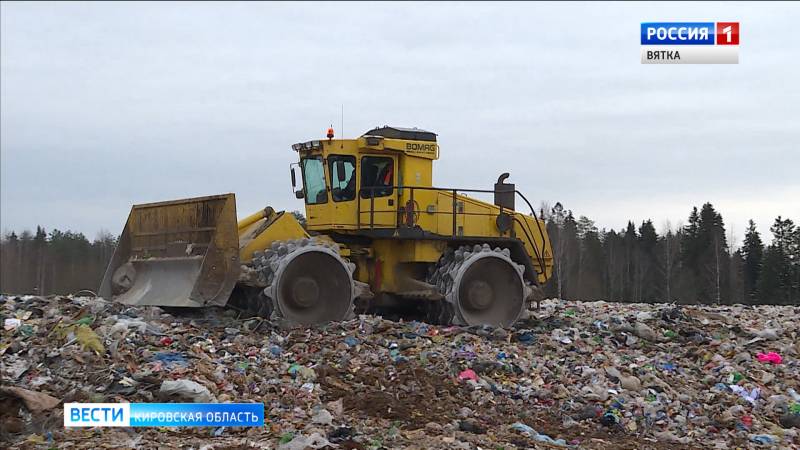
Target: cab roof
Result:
[410, 134]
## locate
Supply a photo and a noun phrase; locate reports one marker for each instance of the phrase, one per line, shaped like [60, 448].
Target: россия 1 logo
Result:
[690, 42]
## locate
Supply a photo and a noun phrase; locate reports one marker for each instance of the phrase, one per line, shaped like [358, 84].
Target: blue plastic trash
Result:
[764, 439]
[525, 429]
[170, 359]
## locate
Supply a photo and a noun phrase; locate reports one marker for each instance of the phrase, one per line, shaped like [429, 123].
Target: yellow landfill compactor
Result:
[378, 236]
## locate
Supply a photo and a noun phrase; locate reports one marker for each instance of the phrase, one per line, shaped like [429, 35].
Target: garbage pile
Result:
[570, 375]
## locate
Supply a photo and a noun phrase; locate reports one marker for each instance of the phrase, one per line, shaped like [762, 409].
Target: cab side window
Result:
[343, 177]
[377, 176]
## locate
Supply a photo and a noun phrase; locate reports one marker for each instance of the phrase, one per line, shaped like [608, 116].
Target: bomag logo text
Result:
[421, 147]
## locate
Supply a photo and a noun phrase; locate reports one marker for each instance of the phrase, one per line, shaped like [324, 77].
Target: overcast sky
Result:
[108, 104]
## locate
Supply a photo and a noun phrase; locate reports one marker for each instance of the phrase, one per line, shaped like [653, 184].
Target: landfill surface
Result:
[570, 375]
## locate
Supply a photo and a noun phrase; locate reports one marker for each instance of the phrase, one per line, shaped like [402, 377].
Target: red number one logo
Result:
[727, 33]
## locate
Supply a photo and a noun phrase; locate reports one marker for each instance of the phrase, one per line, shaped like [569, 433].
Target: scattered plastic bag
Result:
[468, 374]
[88, 320]
[14, 368]
[302, 372]
[89, 339]
[186, 389]
[525, 429]
[322, 417]
[10, 324]
[170, 360]
[530, 432]
[645, 332]
[314, 441]
[770, 357]
[764, 439]
[124, 324]
[769, 334]
[751, 395]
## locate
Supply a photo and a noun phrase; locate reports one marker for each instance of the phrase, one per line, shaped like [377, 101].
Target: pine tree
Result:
[777, 278]
[590, 265]
[713, 255]
[690, 232]
[555, 229]
[630, 241]
[690, 249]
[25, 263]
[9, 266]
[669, 247]
[569, 236]
[783, 231]
[794, 257]
[705, 256]
[753, 254]
[613, 249]
[648, 262]
[736, 290]
[40, 260]
[770, 288]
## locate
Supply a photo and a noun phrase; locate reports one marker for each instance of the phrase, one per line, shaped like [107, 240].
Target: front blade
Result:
[163, 282]
[176, 253]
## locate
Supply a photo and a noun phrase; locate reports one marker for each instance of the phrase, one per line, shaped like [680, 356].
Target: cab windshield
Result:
[314, 180]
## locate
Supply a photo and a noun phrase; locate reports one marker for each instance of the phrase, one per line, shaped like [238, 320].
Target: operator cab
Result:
[355, 183]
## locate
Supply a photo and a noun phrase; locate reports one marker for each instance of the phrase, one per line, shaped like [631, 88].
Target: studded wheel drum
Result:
[307, 282]
[489, 290]
[482, 286]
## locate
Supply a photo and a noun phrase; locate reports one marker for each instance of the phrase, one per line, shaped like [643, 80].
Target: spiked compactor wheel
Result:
[308, 282]
[481, 285]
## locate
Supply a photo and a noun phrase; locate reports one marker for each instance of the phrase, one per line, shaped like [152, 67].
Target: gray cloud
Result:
[105, 105]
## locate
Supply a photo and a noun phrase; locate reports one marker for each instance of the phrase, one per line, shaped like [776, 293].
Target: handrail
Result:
[530, 239]
[539, 252]
[539, 255]
[538, 225]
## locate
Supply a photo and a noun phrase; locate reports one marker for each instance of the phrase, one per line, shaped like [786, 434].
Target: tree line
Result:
[694, 263]
[59, 262]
